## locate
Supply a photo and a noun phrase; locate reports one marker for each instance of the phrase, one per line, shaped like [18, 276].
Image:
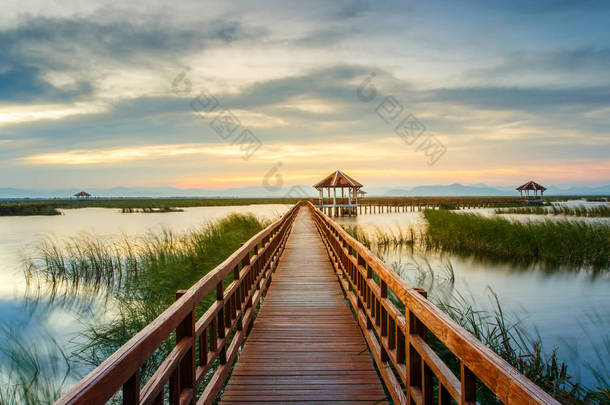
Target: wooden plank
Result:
[305, 344]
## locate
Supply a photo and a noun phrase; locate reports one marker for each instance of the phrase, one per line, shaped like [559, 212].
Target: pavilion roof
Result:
[338, 179]
[82, 194]
[531, 185]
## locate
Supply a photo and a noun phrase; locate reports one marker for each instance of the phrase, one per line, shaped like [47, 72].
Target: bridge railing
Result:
[408, 365]
[211, 341]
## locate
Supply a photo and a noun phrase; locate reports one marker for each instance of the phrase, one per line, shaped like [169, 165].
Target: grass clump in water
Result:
[384, 238]
[553, 241]
[602, 211]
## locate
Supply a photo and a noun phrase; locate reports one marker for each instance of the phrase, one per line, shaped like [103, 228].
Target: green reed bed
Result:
[380, 237]
[139, 277]
[602, 211]
[552, 241]
[27, 209]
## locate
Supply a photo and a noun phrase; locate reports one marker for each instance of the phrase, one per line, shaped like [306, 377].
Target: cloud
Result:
[84, 47]
[578, 60]
[16, 114]
[522, 98]
[117, 155]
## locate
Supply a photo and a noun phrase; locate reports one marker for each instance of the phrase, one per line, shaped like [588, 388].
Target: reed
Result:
[505, 335]
[31, 374]
[552, 241]
[383, 237]
[576, 211]
[140, 278]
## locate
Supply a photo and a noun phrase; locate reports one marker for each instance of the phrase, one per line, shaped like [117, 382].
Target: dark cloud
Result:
[40, 45]
[21, 83]
[550, 6]
[522, 98]
[577, 60]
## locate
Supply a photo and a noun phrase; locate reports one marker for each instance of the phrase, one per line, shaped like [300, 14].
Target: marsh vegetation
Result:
[128, 205]
[551, 241]
[27, 209]
[602, 211]
[138, 279]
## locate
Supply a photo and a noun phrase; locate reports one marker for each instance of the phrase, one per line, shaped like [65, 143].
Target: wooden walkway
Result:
[305, 346]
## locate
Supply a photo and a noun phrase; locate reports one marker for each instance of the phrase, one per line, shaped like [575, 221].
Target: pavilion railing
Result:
[398, 340]
[211, 341]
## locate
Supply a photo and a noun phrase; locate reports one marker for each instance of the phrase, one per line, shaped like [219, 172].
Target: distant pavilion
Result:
[82, 195]
[344, 204]
[531, 186]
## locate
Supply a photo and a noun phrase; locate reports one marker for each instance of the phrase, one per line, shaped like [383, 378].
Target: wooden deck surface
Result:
[305, 346]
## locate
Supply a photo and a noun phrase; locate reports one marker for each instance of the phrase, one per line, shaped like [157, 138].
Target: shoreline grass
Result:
[28, 209]
[140, 278]
[550, 241]
[602, 211]
[136, 204]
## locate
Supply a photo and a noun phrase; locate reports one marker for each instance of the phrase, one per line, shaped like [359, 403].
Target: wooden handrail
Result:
[214, 338]
[407, 364]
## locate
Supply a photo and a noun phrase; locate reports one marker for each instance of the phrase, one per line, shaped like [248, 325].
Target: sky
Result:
[225, 94]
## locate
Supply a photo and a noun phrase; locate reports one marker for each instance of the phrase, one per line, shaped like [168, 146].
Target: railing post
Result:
[131, 390]
[469, 385]
[186, 329]
[222, 355]
[415, 364]
[384, 319]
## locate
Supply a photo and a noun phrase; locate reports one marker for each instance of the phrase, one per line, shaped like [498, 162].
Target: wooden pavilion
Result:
[531, 186]
[82, 195]
[338, 205]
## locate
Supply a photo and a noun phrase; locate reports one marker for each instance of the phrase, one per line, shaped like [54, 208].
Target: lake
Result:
[558, 305]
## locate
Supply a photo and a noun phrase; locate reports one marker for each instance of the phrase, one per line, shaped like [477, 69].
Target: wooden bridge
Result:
[334, 326]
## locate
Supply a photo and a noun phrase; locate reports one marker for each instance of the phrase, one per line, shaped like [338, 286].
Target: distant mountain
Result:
[448, 190]
[481, 189]
[144, 192]
[455, 189]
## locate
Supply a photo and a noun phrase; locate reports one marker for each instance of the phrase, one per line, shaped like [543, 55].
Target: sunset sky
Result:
[98, 95]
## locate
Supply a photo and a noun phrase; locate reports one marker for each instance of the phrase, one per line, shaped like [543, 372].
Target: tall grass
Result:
[505, 335]
[140, 277]
[32, 374]
[569, 242]
[385, 238]
[576, 211]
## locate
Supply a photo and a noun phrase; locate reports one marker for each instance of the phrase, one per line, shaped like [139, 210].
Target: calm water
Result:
[568, 308]
[557, 305]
